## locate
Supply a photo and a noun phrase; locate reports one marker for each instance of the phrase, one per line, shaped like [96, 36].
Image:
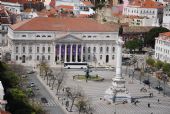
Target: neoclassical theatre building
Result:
[63, 39]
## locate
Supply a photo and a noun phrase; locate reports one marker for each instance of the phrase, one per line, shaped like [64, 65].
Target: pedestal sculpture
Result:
[118, 91]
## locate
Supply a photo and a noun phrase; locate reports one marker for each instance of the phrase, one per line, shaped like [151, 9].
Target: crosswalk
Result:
[50, 103]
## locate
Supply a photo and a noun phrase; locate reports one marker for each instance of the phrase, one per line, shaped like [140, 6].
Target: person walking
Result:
[149, 105]
[158, 100]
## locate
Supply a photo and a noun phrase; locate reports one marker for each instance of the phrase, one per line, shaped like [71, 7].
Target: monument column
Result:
[119, 59]
[118, 91]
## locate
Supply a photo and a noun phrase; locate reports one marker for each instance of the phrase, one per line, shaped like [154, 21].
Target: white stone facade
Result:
[162, 48]
[30, 47]
[13, 7]
[152, 13]
[166, 17]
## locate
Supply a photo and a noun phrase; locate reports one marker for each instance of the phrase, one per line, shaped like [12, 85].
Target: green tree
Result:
[133, 44]
[159, 64]
[149, 39]
[9, 79]
[166, 67]
[150, 62]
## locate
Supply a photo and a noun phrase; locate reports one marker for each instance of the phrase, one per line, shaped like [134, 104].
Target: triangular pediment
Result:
[68, 38]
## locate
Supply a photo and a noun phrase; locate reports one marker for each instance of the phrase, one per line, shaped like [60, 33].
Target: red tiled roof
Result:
[62, 24]
[87, 3]
[22, 1]
[165, 34]
[146, 4]
[65, 7]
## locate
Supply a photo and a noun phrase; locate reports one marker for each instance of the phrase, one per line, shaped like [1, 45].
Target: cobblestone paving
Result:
[96, 90]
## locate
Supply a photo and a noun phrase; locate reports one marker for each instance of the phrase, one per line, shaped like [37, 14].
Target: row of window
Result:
[37, 58]
[163, 42]
[161, 56]
[166, 51]
[101, 49]
[89, 36]
[48, 58]
[136, 11]
[38, 35]
[30, 49]
[94, 57]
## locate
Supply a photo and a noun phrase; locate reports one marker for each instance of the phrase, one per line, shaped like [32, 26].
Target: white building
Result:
[1, 96]
[166, 17]
[162, 47]
[15, 8]
[79, 7]
[146, 8]
[62, 39]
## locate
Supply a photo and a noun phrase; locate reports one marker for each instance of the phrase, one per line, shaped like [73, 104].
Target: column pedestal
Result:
[118, 92]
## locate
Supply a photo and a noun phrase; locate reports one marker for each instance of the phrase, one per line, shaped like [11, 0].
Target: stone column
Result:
[76, 52]
[71, 52]
[65, 53]
[59, 52]
[82, 52]
[119, 59]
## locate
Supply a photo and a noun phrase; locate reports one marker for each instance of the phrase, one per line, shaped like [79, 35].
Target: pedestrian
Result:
[149, 105]
[158, 100]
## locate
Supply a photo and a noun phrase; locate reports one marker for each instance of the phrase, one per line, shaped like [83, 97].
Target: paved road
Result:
[52, 107]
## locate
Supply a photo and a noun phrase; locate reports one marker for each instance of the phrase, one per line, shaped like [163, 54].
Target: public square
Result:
[95, 91]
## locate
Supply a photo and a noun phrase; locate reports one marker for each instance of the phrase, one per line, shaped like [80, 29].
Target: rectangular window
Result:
[88, 57]
[30, 49]
[16, 49]
[100, 57]
[101, 49]
[48, 57]
[113, 57]
[38, 57]
[17, 58]
[43, 49]
[49, 49]
[23, 49]
[38, 49]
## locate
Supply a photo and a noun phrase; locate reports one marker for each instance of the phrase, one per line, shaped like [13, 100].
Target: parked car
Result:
[44, 100]
[32, 84]
[159, 88]
[147, 82]
[30, 72]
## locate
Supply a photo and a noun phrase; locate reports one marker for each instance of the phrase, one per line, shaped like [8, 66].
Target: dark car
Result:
[159, 88]
[147, 82]
[44, 100]
[30, 72]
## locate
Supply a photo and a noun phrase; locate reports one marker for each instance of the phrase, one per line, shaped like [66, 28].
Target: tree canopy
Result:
[149, 39]
[134, 44]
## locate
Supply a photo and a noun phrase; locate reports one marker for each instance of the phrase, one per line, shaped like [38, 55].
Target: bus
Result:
[81, 65]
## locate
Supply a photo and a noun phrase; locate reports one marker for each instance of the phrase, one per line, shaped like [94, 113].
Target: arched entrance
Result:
[107, 58]
[23, 59]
